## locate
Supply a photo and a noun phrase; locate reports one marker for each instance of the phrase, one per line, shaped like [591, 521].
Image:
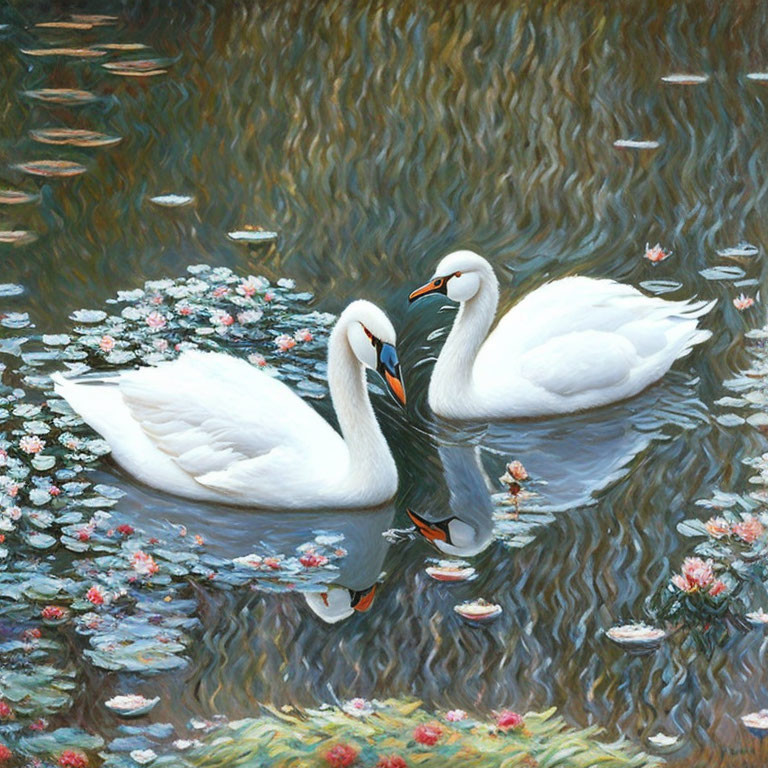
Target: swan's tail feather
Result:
[691, 310]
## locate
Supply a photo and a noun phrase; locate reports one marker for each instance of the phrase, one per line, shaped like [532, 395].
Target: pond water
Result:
[375, 139]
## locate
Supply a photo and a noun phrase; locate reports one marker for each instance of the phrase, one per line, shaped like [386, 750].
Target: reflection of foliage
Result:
[403, 730]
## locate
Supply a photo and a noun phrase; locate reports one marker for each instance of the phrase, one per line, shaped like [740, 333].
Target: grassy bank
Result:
[394, 734]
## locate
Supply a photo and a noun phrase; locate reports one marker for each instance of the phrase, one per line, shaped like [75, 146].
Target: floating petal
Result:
[16, 236]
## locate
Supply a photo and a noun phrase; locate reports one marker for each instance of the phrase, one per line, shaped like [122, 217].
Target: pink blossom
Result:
[220, 317]
[13, 512]
[311, 560]
[161, 345]
[303, 334]
[156, 320]
[53, 613]
[508, 720]
[455, 715]
[517, 470]
[749, 530]
[220, 291]
[31, 444]
[54, 490]
[717, 588]
[717, 527]
[656, 253]
[269, 296]
[144, 564]
[259, 360]
[3, 457]
[284, 342]
[184, 309]
[95, 595]
[341, 756]
[696, 574]
[742, 302]
[106, 344]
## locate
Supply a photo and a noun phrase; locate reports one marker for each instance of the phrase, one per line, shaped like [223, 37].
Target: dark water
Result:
[375, 138]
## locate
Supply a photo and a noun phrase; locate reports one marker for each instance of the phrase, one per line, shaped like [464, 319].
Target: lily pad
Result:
[52, 168]
[74, 137]
[70, 96]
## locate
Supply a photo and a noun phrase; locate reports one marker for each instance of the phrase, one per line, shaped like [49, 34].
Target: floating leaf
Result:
[74, 137]
[64, 25]
[252, 236]
[70, 96]
[635, 144]
[88, 315]
[682, 79]
[171, 201]
[722, 273]
[16, 197]
[80, 53]
[52, 168]
[16, 236]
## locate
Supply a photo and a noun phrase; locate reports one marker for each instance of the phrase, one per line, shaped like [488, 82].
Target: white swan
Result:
[210, 426]
[572, 344]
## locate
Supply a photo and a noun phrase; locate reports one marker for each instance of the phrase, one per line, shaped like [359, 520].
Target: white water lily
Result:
[143, 756]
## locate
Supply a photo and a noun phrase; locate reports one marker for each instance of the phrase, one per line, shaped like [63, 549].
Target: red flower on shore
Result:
[428, 734]
[70, 758]
[509, 720]
[341, 756]
[5, 753]
[5, 711]
[391, 761]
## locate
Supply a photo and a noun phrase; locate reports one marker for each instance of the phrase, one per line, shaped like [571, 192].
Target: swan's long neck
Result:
[370, 459]
[451, 381]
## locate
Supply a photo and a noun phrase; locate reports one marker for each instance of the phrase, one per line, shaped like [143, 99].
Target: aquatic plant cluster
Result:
[722, 585]
[71, 572]
[397, 734]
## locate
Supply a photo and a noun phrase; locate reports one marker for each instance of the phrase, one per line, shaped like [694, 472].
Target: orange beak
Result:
[429, 531]
[439, 285]
[395, 386]
[366, 600]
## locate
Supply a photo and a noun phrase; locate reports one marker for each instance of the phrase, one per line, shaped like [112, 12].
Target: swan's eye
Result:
[457, 274]
[437, 283]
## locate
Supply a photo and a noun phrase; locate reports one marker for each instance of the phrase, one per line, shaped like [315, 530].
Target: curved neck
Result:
[368, 449]
[452, 378]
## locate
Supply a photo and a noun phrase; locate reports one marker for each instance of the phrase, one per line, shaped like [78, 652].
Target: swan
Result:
[572, 344]
[211, 427]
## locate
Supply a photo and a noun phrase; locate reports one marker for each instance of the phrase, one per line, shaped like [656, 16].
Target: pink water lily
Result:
[517, 470]
[106, 344]
[656, 253]
[742, 302]
[284, 342]
[258, 360]
[696, 574]
[455, 715]
[156, 320]
[749, 530]
[303, 334]
[717, 527]
[95, 595]
[144, 564]
[31, 444]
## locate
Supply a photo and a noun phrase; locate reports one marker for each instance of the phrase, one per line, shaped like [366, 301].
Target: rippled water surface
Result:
[374, 139]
